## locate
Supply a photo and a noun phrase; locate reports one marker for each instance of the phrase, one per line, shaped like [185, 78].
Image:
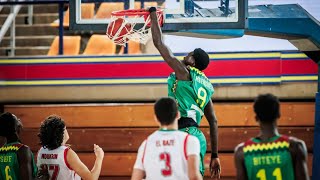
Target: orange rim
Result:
[133, 12]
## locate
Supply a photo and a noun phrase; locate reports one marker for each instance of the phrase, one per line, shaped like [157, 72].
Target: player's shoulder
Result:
[172, 76]
[196, 71]
[182, 133]
[64, 147]
[23, 146]
[17, 146]
[239, 147]
[69, 150]
[24, 152]
[295, 140]
[296, 143]
[238, 152]
[297, 148]
[155, 134]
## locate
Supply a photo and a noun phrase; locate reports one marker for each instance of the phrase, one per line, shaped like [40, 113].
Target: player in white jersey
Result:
[55, 161]
[62, 162]
[167, 153]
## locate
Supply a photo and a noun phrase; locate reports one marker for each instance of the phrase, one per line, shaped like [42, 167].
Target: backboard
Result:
[179, 15]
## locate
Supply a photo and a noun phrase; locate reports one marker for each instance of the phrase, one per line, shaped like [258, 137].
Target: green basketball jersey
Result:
[9, 164]
[268, 160]
[192, 96]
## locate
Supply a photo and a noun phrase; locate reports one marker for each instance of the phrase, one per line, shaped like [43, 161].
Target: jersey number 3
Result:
[166, 158]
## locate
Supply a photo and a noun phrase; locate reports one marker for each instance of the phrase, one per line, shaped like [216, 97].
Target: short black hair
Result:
[267, 107]
[166, 110]
[51, 132]
[201, 59]
[8, 124]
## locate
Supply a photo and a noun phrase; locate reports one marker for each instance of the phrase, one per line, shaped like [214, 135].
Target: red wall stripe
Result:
[239, 68]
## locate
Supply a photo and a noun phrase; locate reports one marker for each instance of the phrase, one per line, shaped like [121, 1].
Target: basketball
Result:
[116, 31]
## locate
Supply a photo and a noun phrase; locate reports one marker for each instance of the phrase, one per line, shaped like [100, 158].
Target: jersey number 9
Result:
[202, 97]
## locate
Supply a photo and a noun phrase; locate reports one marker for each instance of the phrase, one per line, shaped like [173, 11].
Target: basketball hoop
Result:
[124, 25]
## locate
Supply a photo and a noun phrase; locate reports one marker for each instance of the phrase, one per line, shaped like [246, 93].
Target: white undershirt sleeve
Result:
[138, 164]
[193, 146]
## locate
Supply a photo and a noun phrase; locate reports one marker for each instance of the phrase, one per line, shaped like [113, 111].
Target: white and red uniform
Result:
[164, 154]
[56, 162]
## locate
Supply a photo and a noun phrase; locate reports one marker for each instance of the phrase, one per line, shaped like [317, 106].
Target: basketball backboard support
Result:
[178, 14]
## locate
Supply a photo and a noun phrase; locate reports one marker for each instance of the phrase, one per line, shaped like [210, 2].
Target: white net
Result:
[130, 30]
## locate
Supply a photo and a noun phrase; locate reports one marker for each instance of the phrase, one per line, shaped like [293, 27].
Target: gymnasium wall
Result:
[120, 129]
[103, 86]
[290, 75]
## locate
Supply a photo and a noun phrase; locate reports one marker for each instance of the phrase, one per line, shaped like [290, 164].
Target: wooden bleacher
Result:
[120, 128]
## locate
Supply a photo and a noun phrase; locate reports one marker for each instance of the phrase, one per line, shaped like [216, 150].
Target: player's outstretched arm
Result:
[215, 168]
[81, 169]
[25, 163]
[179, 68]
[239, 161]
[299, 155]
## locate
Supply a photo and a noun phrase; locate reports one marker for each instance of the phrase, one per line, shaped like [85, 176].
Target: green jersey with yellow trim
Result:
[192, 96]
[268, 160]
[9, 163]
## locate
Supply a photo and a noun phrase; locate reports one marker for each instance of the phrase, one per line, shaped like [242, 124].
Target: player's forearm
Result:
[96, 170]
[212, 120]
[214, 137]
[155, 30]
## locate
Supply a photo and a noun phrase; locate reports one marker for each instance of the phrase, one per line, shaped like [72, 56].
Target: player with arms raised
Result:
[60, 160]
[192, 91]
[270, 155]
[168, 153]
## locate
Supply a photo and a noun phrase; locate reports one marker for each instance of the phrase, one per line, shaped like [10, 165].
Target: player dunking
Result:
[192, 91]
[270, 155]
[16, 159]
[168, 153]
[61, 161]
